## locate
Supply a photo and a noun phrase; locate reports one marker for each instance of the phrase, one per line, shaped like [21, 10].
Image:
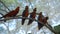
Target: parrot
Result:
[12, 13]
[25, 14]
[32, 15]
[40, 19]
[45, 21]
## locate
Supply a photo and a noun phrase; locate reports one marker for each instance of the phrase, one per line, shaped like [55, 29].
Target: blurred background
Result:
[50, 8]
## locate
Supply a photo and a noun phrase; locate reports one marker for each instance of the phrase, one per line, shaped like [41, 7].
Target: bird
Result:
[40, 18]
[12, 13]
[32, 15]
[40, 25]
[45, 21]
[25, 14]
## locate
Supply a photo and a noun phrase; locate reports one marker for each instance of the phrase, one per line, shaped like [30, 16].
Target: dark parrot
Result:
[32, 15]
[40, 18]
[12, 13]
[45, 21]
[25, 14]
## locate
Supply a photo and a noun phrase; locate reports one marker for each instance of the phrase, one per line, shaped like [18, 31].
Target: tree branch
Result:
[30, 3]
[3, 10]
[31, 19]
[4, 5]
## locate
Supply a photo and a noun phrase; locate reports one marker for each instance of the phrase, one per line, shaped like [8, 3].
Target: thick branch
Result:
[28, 18]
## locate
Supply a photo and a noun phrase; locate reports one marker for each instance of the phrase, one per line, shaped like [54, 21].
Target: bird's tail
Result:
[30, 21]
[23, 20]
[40, 26]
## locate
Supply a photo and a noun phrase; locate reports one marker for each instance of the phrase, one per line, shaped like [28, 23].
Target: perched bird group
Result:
[32, 15]
[25, 13]
[41, 18]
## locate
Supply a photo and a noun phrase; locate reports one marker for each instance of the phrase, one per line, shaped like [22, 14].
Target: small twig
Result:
[4, 5]
[1, 14]
[3, 10]
[30, 4]
[28, 18]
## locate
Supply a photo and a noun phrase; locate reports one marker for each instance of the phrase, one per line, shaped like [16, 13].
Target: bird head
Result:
[26, 7]
[47, 18]
[34, 9]
[40, 14]
[17, 9]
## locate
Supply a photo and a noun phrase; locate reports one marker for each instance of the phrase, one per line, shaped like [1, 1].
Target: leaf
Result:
[57, 28]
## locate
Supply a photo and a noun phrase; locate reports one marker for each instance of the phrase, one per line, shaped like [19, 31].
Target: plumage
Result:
[12, 13]
[45, 20]
[32, 15]
[40, 19]
[40, 16]
[25, 14]
[40, 25]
